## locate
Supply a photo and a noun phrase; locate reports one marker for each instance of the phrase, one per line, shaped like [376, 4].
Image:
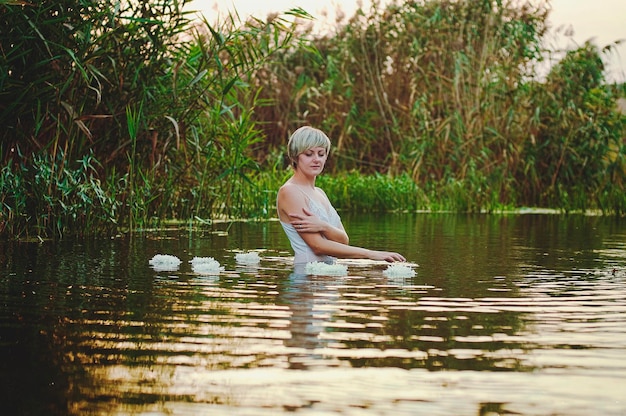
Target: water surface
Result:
[521, 314]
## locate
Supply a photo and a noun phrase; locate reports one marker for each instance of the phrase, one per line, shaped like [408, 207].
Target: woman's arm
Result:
[292, 208]
[322, 246]
[290, 201]
[307, 222]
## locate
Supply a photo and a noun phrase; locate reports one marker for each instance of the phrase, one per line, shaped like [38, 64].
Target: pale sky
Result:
[603, 21]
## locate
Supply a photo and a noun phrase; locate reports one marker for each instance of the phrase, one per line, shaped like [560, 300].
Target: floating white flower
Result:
[206, 265]
[399, 270]
[164, 263]
[324, 269]
[248, 258]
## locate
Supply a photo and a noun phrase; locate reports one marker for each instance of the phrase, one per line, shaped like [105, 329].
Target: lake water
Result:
[511, 314]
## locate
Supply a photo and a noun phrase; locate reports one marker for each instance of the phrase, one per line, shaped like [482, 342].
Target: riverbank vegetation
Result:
[121, 115]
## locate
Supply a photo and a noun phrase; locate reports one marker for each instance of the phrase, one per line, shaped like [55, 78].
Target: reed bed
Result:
[120, 116]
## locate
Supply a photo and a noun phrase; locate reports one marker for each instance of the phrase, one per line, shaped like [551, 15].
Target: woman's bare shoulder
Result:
[287, 189]
[290, 193]
[321, 190]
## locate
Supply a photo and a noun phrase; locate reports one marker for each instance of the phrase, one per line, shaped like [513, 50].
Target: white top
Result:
[303, 253]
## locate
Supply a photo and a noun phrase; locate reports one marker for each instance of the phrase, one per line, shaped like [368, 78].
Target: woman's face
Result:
[312, 160]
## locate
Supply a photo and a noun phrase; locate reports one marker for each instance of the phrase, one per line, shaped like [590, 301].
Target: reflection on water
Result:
[507, 314]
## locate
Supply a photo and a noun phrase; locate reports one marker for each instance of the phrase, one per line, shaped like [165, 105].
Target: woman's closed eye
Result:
[310, 154]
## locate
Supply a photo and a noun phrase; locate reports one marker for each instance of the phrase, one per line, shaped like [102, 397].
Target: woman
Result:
[307, 216]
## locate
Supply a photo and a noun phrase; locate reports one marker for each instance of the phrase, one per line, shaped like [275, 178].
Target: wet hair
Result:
[305, 138]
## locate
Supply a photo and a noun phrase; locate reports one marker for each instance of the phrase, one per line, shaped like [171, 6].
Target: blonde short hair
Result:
[306, 137]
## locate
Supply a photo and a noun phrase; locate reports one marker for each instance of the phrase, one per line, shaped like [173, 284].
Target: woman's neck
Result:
[303, 181]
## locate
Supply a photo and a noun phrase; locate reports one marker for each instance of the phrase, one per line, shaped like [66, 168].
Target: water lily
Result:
[164, 262]
[248, 258]
[206, 265]
[399, 270]
[324, 269]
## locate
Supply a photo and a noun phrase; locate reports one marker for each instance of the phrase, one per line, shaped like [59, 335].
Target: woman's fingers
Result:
[308, 221]
[393, 257]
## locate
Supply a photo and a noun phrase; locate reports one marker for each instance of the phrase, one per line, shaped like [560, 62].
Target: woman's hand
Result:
[387, 256]
[308, 222]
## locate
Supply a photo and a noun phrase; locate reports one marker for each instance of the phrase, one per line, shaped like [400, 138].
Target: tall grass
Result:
[448, 93]
[578, 129]
[118, 115]
[161, 101]
[373, 193]
[46, 197]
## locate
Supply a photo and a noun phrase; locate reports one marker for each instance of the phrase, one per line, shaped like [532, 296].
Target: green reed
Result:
[448, 93]
[48, 197]
[136, 113]
[164, 104]
[373, 193]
